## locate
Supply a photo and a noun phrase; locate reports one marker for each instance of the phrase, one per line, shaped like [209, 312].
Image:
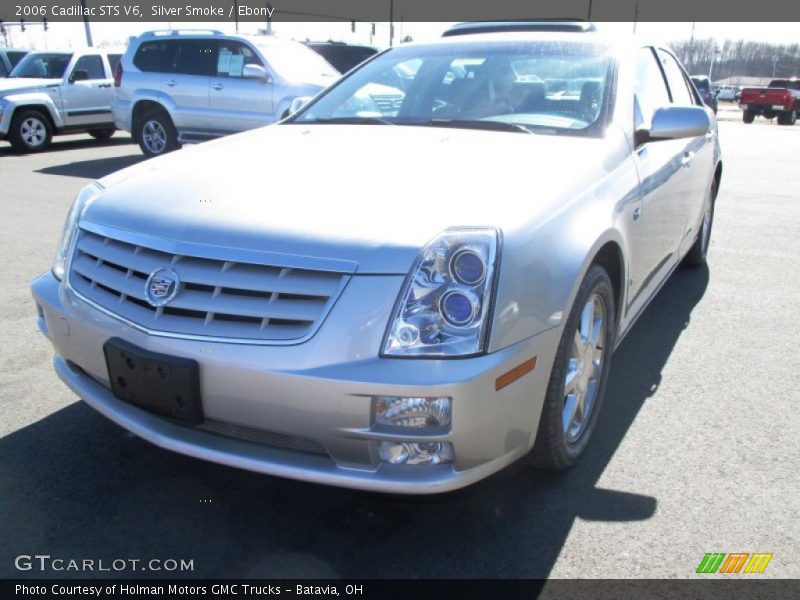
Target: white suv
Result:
[174, 87]
[57, 92]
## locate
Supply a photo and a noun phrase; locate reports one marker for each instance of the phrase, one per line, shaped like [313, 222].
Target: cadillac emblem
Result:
[161, 286]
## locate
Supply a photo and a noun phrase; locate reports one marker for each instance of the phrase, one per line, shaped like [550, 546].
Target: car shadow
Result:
[78, 486]
[61, 144]
[95, 168]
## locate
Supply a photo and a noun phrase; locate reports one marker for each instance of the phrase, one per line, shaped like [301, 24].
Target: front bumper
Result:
[320, 390]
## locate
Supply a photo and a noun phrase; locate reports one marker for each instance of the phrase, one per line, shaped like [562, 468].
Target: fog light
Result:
[398, 411]
[416, 453]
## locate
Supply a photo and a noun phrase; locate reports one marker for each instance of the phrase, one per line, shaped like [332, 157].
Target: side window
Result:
[650, 89]
[113, 61]
[92, 64]
[195, 57]
[15, 57]
[681, 93]
[155, 57]
[3, 71]
[232, 58]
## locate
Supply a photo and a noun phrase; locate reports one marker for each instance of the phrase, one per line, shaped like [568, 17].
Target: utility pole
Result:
[391, 23]
[635, 16]
[86, 24]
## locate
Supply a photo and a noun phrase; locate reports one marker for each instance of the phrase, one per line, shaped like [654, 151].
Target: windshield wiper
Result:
[351, 121]
[476, 124]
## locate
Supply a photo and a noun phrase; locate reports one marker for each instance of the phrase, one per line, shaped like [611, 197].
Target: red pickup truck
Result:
[780, 99]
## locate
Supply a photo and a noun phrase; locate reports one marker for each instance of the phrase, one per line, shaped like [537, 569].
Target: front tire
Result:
[748, 116]
[578, 379]
[30, 131]
[156, 134]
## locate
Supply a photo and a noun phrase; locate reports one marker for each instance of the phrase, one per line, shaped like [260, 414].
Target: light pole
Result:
[714, 54]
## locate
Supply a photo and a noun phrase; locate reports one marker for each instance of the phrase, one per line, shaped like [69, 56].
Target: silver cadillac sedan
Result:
[416, 279]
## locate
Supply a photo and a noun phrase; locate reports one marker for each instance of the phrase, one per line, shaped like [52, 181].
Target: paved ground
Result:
[696, 450]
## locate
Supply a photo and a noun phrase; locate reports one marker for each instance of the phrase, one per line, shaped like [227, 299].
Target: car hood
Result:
[369, 194]
[13, 85]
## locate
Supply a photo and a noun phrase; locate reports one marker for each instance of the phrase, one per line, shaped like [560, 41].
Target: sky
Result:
[72, 35]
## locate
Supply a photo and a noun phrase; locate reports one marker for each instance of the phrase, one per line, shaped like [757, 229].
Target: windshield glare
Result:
[536, 85]
[42, 64]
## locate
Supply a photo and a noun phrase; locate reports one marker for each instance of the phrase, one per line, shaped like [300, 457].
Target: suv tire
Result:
[156, 134]
[102, 134]
[30, 131]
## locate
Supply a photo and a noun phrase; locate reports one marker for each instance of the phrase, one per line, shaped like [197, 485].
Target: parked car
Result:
[780, 99]
[175, 87]
[727, 93]
[9, 57]
[709, 95]
[343, 56]
[449, 306]
[54, 93]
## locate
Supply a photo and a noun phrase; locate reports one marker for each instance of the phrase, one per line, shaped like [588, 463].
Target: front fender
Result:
[35, 99]
[543, 265]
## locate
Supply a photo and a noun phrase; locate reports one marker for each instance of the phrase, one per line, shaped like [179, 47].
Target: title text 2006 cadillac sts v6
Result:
[416, 279]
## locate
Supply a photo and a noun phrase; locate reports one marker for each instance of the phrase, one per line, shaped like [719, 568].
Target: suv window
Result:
[92, 64]
[154, 57]
[650, 90]
[3, 71]
[681, 94]
[15, 57]
[232, 57]
[195, 57]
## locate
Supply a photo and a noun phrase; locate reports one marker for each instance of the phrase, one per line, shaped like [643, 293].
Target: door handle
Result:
[686, 161]
[171, 83]
[217, 86]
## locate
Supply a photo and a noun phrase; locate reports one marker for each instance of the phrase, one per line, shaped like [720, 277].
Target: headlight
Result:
[444, 306]
[85, 197]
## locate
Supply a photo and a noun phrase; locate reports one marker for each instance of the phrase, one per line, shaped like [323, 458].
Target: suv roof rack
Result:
[565, 25]
[163, 32]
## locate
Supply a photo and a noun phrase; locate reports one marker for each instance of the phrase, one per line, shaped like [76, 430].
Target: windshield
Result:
[298, 63]
[42, 64]
[538, 86]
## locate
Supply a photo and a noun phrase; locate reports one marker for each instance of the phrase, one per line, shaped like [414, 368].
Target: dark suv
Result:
[703, 85]
[342, 56]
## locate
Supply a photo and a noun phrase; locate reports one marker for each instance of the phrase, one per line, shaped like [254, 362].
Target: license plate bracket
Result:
[159, 383]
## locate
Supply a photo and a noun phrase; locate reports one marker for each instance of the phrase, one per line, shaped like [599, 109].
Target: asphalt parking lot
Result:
[695, 451]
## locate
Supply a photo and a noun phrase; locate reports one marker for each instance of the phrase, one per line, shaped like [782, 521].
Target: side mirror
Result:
[298, 103]
[256, 72]
[675, 122]
[78, 75]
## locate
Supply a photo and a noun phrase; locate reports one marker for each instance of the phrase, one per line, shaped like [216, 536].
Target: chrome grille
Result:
[215, 298]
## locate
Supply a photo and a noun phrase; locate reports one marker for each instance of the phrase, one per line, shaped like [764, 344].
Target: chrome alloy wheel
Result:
[33, 132]
[584, 368]
[154, 136]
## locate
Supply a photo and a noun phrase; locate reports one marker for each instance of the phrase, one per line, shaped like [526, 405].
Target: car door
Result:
[698, 152]
[661, 166]
[237, 103]
[87, 102]
[186, 82]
